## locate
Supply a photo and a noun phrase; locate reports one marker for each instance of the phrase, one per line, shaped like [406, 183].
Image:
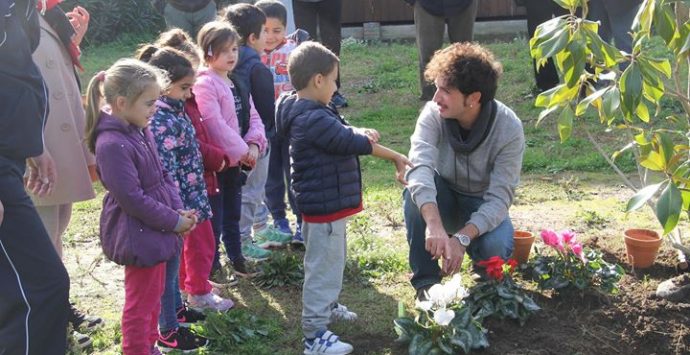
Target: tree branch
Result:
[611, 163]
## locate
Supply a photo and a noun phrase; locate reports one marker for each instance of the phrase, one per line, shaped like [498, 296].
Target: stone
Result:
[676, 289]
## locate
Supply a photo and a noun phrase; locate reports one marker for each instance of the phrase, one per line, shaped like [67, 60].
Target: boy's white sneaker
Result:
[341, 313]
[209, 301]
[326, 343]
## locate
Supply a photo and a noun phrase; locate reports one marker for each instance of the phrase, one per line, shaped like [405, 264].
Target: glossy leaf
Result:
[565, 123]
[668, 207]
[642, 196]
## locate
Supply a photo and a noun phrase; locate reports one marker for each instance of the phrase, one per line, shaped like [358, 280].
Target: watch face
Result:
[464, 240]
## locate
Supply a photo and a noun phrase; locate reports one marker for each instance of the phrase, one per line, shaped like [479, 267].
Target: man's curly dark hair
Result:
[469, 67]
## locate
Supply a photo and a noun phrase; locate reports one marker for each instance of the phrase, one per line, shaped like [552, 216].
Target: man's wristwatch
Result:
[464, 239]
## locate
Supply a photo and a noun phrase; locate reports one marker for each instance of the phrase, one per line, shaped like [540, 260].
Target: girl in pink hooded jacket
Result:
[234, 126]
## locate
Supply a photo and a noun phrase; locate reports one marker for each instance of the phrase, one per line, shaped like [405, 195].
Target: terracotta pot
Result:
[642, 246]
[522, 244]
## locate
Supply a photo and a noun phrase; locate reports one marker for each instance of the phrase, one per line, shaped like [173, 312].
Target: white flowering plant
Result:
[442, 324]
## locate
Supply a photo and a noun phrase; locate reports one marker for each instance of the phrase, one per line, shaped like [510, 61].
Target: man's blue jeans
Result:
[455, 209]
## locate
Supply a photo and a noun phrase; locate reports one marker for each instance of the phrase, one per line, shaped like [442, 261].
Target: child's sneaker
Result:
[242, 270]
[155, 351]
[271, 237]
[210, 301]
[340, 312]
[297, 239]
[326, 343]
[253, 253]
[283, 226]
[181, 339]
[186, 316]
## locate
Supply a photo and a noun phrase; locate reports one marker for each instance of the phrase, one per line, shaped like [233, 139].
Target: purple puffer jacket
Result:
[139, 208]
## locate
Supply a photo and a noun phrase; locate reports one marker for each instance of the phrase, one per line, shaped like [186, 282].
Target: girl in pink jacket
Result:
[233, 125]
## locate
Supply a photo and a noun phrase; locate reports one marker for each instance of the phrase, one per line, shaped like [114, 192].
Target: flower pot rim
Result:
[650, 236]
[528, 236]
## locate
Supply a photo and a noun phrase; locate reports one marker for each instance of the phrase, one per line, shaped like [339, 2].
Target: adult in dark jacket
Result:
[188, 15]
[35, 285]
[538, 12]
[326, 16]
[430, 19]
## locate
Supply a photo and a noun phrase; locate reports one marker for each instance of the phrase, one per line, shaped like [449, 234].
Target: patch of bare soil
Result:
[632, 322]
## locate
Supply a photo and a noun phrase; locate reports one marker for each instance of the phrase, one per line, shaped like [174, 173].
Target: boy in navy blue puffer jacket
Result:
[327, 183]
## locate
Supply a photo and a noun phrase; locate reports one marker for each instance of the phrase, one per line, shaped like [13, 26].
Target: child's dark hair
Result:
[128, 78]
[180, 40]
[468, 67]
[214, 37]
[273, 9]
[246, 19]
[174, 62]
[307, 60]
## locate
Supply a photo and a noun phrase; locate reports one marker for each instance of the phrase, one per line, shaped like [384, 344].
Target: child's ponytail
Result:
[93, 108]
[146, 52]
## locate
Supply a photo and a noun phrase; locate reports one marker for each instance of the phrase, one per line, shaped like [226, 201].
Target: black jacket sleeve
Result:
[263, 97]
[22, 91]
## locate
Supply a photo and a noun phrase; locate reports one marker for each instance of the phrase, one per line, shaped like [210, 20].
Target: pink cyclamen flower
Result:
[577, 250]
[552, 239]
[568, 236]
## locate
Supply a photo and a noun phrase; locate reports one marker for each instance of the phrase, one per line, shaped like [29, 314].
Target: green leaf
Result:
[653, 161]
[631, 89]
[641, 197]
[565, 123]
[665, 146]
[642, 112]
[610, 103]
[582, 105]
[668, 207]
[664, 23]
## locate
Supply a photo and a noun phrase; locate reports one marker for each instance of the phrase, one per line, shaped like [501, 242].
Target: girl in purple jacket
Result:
[142, 220]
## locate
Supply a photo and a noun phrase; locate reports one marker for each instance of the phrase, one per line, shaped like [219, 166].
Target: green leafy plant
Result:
[283, 269]
[638, 94]
[112, 18]
[500, 296]
[441, 325]
[227, 330]
[569, 265]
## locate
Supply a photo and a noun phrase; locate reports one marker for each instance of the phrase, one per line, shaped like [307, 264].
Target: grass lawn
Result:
[563, 186]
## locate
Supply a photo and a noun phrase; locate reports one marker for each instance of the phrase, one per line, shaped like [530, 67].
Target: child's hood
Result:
[289, 107]
[108, 122]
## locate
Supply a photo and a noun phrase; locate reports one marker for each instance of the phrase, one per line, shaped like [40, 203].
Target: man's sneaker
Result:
[253, 253]
[242, 270]
[326, 343]
[422, 293]
[271, 237]
[81, 321]
[283, 226]
[186, 316]
[181, 339]
[82, 341]
[338, 100]
[210, 301]
[297, 239]
[341, 313]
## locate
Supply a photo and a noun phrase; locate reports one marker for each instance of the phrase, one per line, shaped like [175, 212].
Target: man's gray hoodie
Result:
[491, 171]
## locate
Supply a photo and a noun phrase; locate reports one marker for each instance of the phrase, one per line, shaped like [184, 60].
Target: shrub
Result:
[111, 18]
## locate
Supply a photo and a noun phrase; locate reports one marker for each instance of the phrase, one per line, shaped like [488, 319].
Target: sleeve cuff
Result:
[480, 222]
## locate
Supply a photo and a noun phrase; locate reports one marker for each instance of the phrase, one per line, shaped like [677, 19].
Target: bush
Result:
[111, 18]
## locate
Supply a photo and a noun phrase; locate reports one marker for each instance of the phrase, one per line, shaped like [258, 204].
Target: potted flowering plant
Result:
[442, 324]
[569, 264]
[500, 295]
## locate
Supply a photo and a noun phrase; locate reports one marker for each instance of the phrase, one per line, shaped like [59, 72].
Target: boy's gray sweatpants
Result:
[324, 264]
[253, 193]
